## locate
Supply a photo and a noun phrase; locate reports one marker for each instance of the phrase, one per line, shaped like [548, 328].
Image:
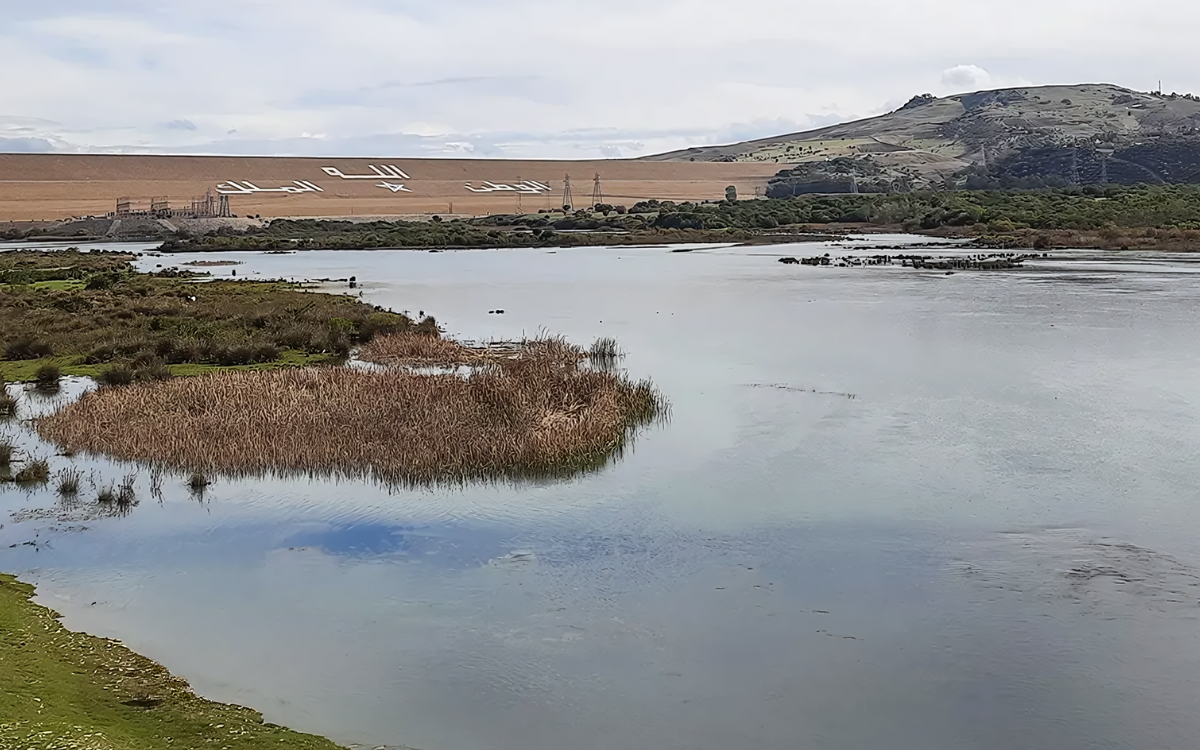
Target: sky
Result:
[556, 79]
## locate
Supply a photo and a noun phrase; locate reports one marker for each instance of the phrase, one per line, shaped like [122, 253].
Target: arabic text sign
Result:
[525, 187]
[387, 172]
[297, 187]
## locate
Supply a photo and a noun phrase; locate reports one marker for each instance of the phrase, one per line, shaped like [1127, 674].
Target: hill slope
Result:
[1080, 134]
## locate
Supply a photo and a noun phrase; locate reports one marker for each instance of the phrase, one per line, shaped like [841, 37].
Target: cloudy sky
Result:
[534, 78]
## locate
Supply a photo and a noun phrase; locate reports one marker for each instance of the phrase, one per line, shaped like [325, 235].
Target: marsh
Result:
[990, 544]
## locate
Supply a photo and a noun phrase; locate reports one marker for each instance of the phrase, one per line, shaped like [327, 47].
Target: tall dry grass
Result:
[416, 349]
[536, 414]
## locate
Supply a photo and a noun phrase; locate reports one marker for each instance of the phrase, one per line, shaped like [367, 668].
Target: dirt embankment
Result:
[52, 186]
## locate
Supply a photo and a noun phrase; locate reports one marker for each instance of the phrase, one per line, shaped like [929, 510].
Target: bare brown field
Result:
[536, 414]
[44, 187]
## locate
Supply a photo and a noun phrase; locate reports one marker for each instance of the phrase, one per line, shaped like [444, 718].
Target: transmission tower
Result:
[568, 200]
[1075, 163]
[520, 206]
[1105, 150]
[597, 193]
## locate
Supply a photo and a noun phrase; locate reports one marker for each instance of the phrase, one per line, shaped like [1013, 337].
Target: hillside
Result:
[36, 187]
[1023, 137]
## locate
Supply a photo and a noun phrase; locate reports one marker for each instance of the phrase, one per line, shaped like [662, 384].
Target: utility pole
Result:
[568, 199]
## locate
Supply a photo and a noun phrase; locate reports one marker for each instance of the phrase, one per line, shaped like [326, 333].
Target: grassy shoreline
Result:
[92, 314]
[63, 690]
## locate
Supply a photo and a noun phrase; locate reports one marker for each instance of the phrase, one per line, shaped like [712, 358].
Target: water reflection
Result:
[990, 545]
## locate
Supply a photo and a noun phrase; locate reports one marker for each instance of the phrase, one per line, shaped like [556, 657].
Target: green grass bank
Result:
[92, 314]
[61, 690]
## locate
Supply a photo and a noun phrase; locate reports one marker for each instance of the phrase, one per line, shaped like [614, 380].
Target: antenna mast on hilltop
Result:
[567, 197]
[597, 193]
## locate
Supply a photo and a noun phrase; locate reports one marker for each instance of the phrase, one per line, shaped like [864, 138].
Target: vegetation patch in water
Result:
[537, 413]
[60, 689]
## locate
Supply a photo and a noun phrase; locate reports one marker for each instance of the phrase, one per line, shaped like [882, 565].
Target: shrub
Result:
[34, 472]
[6, 454]
[153, 369]
[266, 353]
[101, 281]
[100, 354]
[305, 337]
[47, 377]
[28, 348]
[126, 496]
[197, 482]
[116, 375]
[8, 403]
[428, 327]
[68, 482]
[232, 356]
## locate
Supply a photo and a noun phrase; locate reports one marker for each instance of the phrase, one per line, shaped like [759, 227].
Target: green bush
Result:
[117, 375]
[101, 281]
[48, 376]
[28, 348]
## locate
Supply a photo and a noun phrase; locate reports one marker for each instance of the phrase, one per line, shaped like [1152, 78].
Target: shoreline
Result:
[63, 688]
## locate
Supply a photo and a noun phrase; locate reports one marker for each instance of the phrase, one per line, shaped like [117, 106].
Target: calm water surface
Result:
[892, 509]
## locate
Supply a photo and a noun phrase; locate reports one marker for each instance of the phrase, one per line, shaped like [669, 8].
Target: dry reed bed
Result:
[538, 414]
[424, 350]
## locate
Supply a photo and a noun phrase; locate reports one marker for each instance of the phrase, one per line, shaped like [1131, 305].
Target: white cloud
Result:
[971, 78]
[966, 77]
[555, 78]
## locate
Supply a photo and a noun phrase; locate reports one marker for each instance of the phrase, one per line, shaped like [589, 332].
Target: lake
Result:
[891, 508]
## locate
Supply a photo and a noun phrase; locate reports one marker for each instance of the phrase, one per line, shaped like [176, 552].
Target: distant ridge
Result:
[1014, 137]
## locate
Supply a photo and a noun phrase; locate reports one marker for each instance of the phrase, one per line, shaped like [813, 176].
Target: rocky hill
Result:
[1022, 137]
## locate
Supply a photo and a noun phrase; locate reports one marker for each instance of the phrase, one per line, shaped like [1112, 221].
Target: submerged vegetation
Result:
[60, 689]
[122, 326]
[69, 480]
[539, 412]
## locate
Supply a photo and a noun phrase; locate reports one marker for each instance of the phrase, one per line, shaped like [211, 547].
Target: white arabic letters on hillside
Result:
[233, 187]
[387, 172]
[525, 187]
[393, 187]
